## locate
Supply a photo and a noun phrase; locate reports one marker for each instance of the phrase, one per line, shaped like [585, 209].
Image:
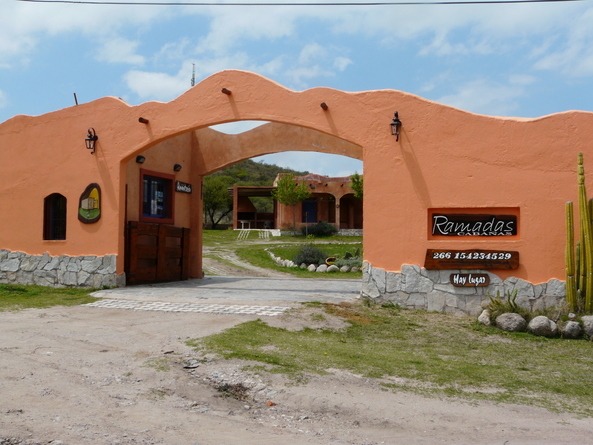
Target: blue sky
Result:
[524, 60]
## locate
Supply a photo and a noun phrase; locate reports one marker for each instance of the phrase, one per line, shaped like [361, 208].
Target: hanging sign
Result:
[470, 279]
[89, 207]
[473, 225]
[182, 187]
[471, 259]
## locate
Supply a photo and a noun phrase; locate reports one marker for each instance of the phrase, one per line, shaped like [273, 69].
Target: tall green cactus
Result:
[571, 284]
[579, 274]
[587, 240]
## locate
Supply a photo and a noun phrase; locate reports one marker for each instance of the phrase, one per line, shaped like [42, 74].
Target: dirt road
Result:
[105, 376]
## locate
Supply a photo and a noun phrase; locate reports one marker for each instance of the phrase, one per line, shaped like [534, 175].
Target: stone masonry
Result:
[59, 271]
[417, 288]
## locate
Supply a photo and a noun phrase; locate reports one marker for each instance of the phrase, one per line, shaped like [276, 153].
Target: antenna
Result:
[193, 75]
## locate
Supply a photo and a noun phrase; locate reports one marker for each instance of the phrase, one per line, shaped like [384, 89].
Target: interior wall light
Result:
[140, 159]
[177, 167]
[395, 126]
[91, 139]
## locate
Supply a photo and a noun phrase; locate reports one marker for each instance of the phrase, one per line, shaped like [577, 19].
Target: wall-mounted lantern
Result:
[324, 106]
[143, 120]
[90, 140]
[140, 159]
[395, 126]
[226, 91]
[177, 167]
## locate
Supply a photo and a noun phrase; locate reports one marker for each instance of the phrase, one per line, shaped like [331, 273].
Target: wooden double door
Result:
[156, 253]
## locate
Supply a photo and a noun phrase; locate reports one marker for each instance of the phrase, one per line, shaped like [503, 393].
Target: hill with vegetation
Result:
[218, 203]
[249, 172]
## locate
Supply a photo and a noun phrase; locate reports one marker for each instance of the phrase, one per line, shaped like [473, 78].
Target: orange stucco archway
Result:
[445, 159]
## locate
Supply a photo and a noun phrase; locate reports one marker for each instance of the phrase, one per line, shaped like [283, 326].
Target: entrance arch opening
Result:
[187, 159]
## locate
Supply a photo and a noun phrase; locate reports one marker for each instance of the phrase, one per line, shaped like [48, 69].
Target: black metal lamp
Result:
[395, 126]
[140, 159]
[90, 140]
[177, 167]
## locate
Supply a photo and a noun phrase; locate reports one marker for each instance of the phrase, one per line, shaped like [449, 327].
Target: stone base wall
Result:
[417, 288]
[59, 271]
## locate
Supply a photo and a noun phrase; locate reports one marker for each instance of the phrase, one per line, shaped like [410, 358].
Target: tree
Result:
[218, 203]
[356, 182]
[290, 193]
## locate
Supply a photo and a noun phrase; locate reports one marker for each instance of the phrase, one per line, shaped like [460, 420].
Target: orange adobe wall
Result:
[445, 158]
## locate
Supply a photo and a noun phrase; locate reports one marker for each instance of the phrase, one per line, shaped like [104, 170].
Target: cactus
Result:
[579, 273]
[587, 240]
[571, 285]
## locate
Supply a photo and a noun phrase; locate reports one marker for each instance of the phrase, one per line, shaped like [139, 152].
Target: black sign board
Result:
[470, 279]
[182, 187]
[473, 225]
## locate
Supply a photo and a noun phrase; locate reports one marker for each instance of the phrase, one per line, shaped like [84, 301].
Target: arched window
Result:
[54, 217]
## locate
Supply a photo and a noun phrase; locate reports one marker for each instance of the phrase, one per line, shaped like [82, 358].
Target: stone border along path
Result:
[234, 309]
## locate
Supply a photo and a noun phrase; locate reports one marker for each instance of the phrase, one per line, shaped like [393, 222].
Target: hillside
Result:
[218, 203]
[249, 172]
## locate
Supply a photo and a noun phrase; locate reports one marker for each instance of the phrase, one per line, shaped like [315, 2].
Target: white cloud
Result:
[120, 50]
[24, 25]
[575, 58]
[341, 63]
[484, 97]
[230, 27]
[158, 86]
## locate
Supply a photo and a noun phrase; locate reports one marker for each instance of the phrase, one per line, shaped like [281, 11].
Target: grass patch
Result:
[220, 238]
[15, 297]
[434, 353]
[257, 255]
[330, 249]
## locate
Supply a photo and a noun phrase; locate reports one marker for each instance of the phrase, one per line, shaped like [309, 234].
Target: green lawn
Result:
[15, 297]
[255, 250]
[434, 354]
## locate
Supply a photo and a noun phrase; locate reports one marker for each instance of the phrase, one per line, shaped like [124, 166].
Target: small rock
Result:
[191, 364]
[511, 322]
[354, 269]
[321, 268]
[543, 326]
[572, 316]
[344, 269]
[588, 325]
[484, 317]
[572, 329]
[312, 268]
[303, 266]
[270, 403]
[333, 268]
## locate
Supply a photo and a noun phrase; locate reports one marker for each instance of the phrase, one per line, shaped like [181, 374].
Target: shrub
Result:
[350, 262]
[500, 305]
[321, 229]
[309, 254]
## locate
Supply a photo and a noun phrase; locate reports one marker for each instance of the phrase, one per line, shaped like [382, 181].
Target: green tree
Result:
[290, 192]
[218, 203]
[356, 182]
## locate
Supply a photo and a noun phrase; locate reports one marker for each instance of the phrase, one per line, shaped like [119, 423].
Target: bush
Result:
[350, 262]
[309, 254]
[321, 229]
[501, 305]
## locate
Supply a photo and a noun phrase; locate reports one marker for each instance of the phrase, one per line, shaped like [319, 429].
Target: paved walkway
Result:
[228, 295]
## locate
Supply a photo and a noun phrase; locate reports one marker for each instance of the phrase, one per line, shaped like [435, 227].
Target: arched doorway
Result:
[161, 192]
